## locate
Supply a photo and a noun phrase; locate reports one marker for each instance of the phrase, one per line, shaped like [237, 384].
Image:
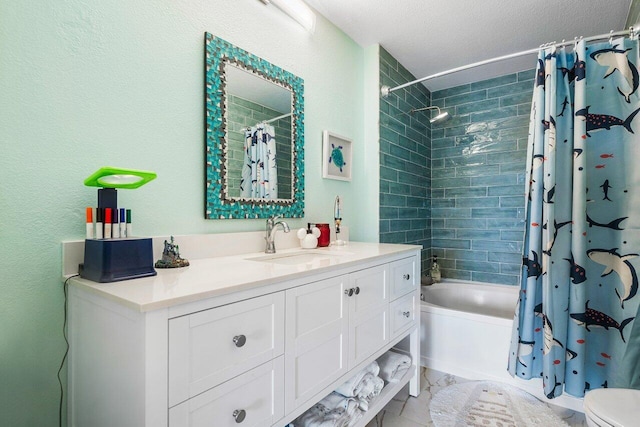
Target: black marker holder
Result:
[112, 260]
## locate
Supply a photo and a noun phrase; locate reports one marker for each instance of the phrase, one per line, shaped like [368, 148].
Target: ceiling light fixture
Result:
[298, 10]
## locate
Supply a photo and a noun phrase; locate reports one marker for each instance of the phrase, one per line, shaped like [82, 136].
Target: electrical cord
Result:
[66, 351]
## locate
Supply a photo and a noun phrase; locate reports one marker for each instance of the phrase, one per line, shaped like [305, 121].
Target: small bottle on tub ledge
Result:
[435, 270]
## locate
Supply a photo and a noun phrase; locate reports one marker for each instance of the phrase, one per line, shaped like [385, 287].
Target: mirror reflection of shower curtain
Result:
[579, 287]
[259, 171]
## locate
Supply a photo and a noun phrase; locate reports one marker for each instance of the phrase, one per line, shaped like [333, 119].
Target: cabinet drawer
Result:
[212, 346]
[403, 277]
[257, 395]
[402, 313]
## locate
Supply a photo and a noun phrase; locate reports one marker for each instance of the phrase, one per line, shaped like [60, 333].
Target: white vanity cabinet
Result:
[256, 356]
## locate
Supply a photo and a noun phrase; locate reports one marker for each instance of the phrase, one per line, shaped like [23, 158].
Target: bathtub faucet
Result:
[272, 227]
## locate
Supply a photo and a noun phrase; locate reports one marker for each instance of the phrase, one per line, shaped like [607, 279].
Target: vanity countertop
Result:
[219, 276]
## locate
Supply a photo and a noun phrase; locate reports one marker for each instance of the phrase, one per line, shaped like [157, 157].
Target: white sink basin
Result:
[302, 257]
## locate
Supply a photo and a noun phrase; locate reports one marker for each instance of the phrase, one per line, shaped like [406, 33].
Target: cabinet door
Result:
[368, 312]
[316, 338]
[212, 346]
[404, 277]
[254, 399]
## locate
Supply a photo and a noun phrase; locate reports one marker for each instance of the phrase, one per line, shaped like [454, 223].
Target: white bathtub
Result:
[466, 331]
[466, 328]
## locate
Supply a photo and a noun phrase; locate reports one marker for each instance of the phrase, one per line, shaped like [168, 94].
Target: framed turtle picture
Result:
[336, 156]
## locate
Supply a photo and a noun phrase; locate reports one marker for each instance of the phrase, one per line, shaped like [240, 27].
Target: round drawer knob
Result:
[406, 276]
[406, 314]
[239, 415]
[239, 341]
[348, 292]
[357, 290]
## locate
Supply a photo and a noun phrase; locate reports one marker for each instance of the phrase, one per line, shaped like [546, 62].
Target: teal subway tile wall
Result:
[405, 157]
[477, 178]
[456, 187]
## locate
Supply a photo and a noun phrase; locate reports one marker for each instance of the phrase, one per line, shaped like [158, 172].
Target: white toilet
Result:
[612, 407]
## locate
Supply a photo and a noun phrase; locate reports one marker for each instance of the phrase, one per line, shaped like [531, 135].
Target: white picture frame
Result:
[337, 156]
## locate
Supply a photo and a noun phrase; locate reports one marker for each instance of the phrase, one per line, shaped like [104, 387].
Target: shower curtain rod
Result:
[270, 120]
[386, 90]
[277, 118]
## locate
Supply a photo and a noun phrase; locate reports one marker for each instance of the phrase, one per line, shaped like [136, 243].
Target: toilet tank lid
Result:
[617, 406]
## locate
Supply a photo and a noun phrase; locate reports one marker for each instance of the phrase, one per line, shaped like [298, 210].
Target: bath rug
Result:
[490, 404]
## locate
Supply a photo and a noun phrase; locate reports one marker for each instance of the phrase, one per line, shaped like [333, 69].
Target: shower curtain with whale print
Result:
[259, 170]
[579, 285]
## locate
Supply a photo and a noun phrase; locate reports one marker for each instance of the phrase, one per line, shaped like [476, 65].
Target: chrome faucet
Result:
[272, 227]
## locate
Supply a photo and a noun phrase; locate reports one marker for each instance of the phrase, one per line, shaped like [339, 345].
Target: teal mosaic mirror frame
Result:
[218, 204]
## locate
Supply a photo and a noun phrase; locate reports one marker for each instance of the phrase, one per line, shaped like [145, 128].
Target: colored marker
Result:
[89, 212]
[99, 213]
[129, 232]
[123, 225]
[115, 227]
[107, 223]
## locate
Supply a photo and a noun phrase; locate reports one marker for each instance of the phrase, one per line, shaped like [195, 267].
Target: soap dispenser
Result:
[435, 270]
[309, 237]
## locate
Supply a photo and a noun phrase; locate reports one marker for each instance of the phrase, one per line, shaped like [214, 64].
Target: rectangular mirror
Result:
[254, 135]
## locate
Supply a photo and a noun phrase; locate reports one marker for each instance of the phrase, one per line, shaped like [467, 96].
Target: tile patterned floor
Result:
[407, 411]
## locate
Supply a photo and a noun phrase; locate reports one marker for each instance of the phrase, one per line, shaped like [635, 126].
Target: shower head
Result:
[440, 117]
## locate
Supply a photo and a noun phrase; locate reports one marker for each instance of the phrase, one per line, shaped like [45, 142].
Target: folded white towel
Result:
[334, 410]
[349, 388]
[393, 366]
[336, 401]
[317, 417]
[369, 387]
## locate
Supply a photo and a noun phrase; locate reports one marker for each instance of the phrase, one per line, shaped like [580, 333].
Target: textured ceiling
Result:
[430, 36]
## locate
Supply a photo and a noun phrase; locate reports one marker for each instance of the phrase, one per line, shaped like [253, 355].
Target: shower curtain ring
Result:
[611, 38]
